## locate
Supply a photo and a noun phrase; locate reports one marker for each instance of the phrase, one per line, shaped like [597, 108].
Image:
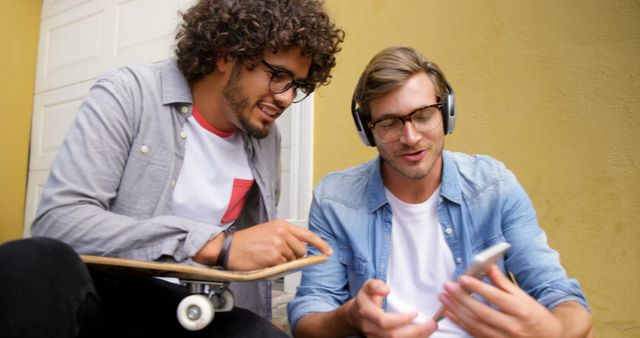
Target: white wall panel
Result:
[53, 7]
[37, 180]
[71, 47]
[296, 127]
[144, 20]
[53, 113]
[144, 30]
[81, 39]
[74, 43]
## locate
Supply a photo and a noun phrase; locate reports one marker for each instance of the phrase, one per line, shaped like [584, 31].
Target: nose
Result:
[285, 99]
[410, 135]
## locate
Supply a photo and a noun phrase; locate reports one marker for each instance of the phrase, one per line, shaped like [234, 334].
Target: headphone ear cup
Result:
[362, 126]
[449, 110]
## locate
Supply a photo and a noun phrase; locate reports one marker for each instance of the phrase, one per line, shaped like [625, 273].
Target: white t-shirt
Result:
[420, 262]
[215, 176]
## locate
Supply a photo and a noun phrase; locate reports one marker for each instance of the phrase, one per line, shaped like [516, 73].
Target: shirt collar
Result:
[449, 187]
[375, 188]
[175, 88]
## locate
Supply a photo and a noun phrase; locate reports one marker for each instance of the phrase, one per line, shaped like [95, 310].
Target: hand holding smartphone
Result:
[479, 266]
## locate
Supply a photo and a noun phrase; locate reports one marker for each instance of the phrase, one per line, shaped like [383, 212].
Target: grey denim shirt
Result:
[110, 187]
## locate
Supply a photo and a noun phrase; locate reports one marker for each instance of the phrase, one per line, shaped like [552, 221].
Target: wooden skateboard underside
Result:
[204, 274]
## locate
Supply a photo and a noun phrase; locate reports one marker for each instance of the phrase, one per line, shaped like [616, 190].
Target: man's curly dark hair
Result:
[244, 29]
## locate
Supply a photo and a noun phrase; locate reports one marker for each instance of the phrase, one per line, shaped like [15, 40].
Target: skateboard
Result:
[207, 286]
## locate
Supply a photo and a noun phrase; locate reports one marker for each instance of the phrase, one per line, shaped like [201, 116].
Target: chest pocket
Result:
[356, 267]
[144, 176]
[356, 264]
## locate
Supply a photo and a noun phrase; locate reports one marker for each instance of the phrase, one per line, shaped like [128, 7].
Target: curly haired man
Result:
[176, 161]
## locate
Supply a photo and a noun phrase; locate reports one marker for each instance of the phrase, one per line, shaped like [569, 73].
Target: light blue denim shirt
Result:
[481, 203]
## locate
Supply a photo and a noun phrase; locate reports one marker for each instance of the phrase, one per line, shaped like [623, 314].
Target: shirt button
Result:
[184, 109]
[144, 149]
[183, 134]
[173, 183]
[458, 260]
[449, 231]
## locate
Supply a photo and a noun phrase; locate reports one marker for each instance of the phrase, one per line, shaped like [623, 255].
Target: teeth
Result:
[268, 111]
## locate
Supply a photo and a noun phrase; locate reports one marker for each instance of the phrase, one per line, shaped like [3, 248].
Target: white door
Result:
[80, 39]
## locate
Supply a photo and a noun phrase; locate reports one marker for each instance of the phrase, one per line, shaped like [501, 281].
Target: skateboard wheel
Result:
[195, 312]
[226, 301]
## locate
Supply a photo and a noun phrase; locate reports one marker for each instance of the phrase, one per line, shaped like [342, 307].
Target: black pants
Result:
[46, 291]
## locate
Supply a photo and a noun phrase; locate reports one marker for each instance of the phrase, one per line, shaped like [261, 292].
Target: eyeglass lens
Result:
[423, 120]
[281, 80]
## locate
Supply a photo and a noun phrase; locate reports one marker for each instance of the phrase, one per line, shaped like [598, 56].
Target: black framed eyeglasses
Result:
[389, 129]
[283, 79]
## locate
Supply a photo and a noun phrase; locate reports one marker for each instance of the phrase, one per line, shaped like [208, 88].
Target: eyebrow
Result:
[391, 114]
[283, 69]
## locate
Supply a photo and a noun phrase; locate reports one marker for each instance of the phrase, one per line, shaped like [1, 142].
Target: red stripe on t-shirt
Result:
[238, 197]
[208, 126]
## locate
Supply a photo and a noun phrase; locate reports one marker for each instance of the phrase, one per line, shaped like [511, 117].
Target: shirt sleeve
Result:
[323, 287]
[85, 178]
[534, 264]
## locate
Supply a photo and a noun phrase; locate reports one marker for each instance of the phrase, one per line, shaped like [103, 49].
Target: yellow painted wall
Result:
[550, 88]
[19, 27]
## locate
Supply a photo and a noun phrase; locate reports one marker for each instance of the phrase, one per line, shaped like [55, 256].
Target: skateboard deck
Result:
[203, 274]
[208, 287]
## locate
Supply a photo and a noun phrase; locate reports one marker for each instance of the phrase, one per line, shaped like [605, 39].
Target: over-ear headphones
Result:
[448, 117]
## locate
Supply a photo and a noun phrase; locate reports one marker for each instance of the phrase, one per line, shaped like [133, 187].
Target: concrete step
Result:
[279, 301]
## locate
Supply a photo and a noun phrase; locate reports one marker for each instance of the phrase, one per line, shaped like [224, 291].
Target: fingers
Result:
[369, 304]
[502, 293]
[271, 243]
[369, 300]
[501, 281]
[518, 312]
[373, 320]
[385, 321]
[375, 290]
[309, 237]
[467, 311]
[366, 315]
[298, 248]
[288, 254]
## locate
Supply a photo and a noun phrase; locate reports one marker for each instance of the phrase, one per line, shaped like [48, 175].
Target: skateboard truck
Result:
[208, 288]
[197, 310]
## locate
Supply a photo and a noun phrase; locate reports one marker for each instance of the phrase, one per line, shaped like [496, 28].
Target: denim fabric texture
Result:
[481, 203]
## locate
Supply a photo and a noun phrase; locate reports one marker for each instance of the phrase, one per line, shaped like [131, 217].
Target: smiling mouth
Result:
[269, 111]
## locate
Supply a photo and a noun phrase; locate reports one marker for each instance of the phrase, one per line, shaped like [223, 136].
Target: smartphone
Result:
[479, 266]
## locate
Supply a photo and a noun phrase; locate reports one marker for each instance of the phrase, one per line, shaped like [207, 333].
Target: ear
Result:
[224, 64]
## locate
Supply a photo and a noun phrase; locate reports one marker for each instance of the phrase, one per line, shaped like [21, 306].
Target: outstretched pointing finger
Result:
[309, 237]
